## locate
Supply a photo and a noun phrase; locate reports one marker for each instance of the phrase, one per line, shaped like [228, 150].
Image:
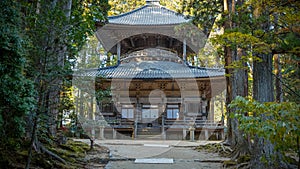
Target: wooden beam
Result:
[184, 50]
[171, 43]
[158, 41]
[119, 52]
[132, 43]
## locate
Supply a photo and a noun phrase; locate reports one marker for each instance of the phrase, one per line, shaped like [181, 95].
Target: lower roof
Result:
[152, 70]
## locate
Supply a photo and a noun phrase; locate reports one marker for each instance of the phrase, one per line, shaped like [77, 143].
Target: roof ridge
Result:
[126, 13]
[207, 68]
[108, 67]
[145, 6]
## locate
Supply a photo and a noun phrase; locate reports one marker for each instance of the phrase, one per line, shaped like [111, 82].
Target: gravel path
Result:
[123, 154]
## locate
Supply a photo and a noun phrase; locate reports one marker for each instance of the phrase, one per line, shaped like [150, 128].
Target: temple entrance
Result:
[149, 123]
[150, 114]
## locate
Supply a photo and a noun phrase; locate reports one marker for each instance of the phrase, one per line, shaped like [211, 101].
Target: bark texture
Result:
[263, 92]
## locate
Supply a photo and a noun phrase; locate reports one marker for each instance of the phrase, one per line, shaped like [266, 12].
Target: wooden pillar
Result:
[101, 133]
[164, 135]
[135, 130]
[206, 133]
[222, 134]
[192, 134]
[204, 111]
[212, 109]
[119, 52]
[192, 131]
[81, 103]
[92, 114]
[114, 132]
[77, 102]
[93, 132]
[184, 50]
[184, 134]
[137, 117]
[222, 111]
[135, 124]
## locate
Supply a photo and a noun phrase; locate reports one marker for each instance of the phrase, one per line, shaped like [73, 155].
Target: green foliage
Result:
[257, 28]
[203, 13]
[67, 98]
[277, 122]
[37, 39]
[57, 33]
[84, 14]
[16, 92]
[91, 55]
[104, 95]
[291, 77]
[122, 6]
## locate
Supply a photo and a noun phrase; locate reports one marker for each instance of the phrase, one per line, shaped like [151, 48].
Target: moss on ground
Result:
[76, 154]
[225, 151]
[215, 148]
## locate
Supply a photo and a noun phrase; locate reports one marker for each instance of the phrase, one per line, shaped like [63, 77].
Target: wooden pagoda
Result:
[155, 92]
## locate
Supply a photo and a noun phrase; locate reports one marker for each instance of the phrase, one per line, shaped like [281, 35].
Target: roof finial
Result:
[152, 2]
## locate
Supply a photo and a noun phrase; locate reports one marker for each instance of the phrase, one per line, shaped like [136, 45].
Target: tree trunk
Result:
[237, 81]
[240, 88]
[228, 72]
[57, 83]
[41, 100]
[263, 92]
[263, 79]
[33, 136]
[229, 97]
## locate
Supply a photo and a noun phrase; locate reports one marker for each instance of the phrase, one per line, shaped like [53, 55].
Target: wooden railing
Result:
[195, 123]
[119, 122]
[113, 121]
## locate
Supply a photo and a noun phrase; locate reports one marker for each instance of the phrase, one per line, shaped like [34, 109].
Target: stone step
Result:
[154, 161]
[150, 131]
[149, 137]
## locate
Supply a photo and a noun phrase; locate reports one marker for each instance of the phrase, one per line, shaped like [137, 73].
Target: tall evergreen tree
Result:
[16, 92]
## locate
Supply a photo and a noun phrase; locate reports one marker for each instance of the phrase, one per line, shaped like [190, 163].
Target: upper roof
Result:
[150, 14]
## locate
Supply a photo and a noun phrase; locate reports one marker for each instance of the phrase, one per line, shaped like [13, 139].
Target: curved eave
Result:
[166, 25]
[148, 74]
[111, 34]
